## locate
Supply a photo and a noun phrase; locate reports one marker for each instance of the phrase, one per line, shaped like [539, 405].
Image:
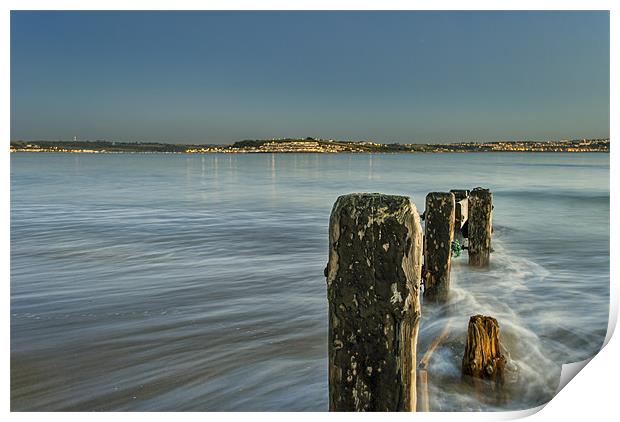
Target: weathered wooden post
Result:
[373, 284]
[461, 213]
[480, 226]
[439, 233]
[482, 358]
[460, 194]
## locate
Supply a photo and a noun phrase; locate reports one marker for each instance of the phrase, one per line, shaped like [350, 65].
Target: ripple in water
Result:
[148, 282]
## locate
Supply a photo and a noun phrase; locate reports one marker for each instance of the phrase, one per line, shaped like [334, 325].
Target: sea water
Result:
[154, 282]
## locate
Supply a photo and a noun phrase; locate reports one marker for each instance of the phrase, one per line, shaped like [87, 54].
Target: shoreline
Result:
[310, 145]
[310, 152]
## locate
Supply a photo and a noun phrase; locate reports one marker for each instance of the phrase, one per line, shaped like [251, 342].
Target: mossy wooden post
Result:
[482, 358]
[439, 233]
[480, 226]
[373, 284]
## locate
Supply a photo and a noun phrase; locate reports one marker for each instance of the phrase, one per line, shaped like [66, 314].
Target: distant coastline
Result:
[310, 145]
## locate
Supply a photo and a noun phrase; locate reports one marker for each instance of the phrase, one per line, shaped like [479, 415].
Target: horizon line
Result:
[308, 138]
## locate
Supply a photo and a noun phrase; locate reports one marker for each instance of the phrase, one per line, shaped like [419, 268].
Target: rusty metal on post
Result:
[439, 232]
[373, 284]
[480, 226]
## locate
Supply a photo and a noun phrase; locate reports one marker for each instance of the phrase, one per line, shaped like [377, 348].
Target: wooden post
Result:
[373, 284]
[461, 214]
[423, 367]
[482, 358]
[480, 226]
[424, 404]
[460, 194]
[439, 233]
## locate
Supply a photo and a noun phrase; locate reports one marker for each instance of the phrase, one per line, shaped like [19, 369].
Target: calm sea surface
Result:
[195, 282]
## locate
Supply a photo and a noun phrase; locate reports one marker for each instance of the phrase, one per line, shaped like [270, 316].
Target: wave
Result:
[501, 291]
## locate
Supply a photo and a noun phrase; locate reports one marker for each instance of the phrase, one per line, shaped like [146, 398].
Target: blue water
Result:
[195, 282]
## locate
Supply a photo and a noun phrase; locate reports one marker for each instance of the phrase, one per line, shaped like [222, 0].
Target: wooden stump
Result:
[482, 358]
[460, 194]
[424, 405]
[480, 226]
[439, 233]
[373, 283]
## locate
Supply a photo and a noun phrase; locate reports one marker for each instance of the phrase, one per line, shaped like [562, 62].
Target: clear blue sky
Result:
[218, 77]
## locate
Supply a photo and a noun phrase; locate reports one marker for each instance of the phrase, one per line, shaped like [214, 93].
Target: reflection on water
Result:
[178, 282]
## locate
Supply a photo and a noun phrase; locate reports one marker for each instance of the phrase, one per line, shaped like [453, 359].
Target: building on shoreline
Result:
[310, 145]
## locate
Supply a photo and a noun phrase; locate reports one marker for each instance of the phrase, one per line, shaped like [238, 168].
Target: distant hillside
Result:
[311, 145]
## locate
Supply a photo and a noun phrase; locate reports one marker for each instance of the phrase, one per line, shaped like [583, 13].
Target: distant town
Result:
[310, 145]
